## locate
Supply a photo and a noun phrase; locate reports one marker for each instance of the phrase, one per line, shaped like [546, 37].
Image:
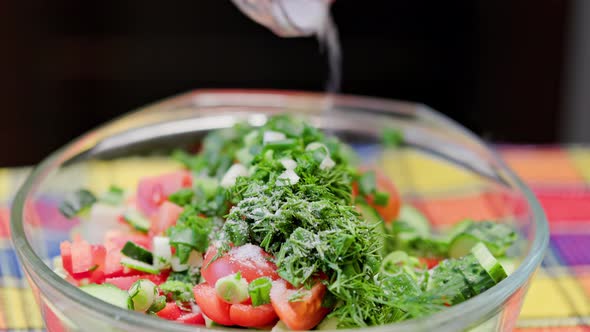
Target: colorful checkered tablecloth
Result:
[558, 299]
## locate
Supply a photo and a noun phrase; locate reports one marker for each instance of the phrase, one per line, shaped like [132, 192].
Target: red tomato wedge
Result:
[165, 217]
[429, 262]
[250, 260]
[193, 318]
[153, 191]
[117, 239]
[80, 259]
[389, 211]
[303, 314]
[247, 315]
[211, 305]
[171, 312]
[112, 265]
[66, 256]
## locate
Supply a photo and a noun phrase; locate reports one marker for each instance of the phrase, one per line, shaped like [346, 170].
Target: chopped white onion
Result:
[101, 219]
[287, 177]
[327, 163]
[162, 252]
[289, 164]
[176, 266]
[272, 136]
[229, 179]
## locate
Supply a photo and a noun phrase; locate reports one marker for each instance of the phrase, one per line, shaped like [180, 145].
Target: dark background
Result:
[67, 66]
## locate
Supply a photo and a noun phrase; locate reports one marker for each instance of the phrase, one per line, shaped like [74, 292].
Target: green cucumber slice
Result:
[461, 245]
[489, 262]
[139, 253]
[138, 265]
[447, 274]
[497, 237]
[476, 276]
[458, 228]
[108, 293]
[137, 221]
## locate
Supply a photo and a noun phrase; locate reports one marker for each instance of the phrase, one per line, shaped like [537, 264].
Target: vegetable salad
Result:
[277, 226]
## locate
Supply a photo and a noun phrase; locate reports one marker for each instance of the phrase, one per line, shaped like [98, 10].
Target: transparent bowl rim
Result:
[479, 305]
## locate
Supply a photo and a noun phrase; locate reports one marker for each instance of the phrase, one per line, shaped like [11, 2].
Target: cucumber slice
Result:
[108, 293]
[461, 245]
[445, 274]
[458, 228]
[137, 221]
[476, 276]
[138, 265]
[489, 262]
[415, 219]
[136, 252]
[497, 237]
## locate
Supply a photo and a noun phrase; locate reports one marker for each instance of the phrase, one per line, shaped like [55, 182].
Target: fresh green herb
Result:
[392, 137]
[259, 290]
[188, 277]
[182, 197]
[192, 162]
[177, 290]
[191, 232]
[114, 196]
[77, 203]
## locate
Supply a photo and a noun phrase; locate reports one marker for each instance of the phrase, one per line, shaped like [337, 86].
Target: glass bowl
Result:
[441, 168]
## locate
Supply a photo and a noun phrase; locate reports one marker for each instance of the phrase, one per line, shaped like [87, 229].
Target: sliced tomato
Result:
[97, 276]
[211, 305]
[153, 191]
[250, 260]
[113, 267]
[117, 239]
[390, 210]
[82, 261]
[171, 311]
[165, 217]
[303, 314]
[193, 318]
[112, 264]
[247, 315]
[429, 262]
[66, 256]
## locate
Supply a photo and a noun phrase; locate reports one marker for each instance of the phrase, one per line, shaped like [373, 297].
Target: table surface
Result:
[558, 299]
